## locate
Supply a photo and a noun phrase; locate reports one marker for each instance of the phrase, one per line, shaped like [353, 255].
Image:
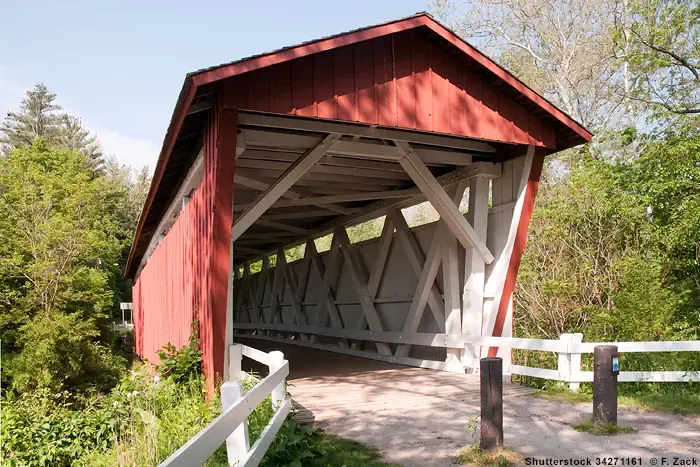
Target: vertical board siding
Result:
[186, 277]
[399, 80]
[165, 296]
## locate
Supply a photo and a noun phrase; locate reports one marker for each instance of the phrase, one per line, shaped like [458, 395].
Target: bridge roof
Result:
[427, 66]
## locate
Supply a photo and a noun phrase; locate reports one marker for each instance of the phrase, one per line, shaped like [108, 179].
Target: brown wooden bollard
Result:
[604, 384]
[491, 404]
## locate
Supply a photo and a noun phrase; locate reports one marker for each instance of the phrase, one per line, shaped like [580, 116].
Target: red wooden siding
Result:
[167, 295]
[398, 80]
[187, 275]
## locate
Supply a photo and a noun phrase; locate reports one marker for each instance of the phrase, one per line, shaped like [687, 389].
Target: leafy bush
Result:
[161, 416]
[40, 428]
[122, 343]
[293, 447]
[59, 352]
[142, 421]
[182, 364]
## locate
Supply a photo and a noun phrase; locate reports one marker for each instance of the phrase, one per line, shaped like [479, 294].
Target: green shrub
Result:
[40, 428]
[293, 447]
[182, 364]
[60, 352]
[122, 343]
[161, 416]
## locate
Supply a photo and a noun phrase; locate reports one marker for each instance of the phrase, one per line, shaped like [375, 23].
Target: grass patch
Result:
[474, 455]
[599, 428]
[340, 451]
[682, 402]
[563, 395]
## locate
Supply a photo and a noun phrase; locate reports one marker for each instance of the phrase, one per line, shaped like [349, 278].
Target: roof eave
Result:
[207, 76]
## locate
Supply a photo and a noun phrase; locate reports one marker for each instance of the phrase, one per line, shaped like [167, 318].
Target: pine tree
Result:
[36, 118]
[74, 136]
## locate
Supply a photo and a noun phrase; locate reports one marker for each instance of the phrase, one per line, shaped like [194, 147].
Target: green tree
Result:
[59, 252]
[38, 117]
[126, 191]
[74, 136]
[666, 179]
[660, 40]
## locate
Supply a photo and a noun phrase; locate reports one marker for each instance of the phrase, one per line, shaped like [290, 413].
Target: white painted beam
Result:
[483, 169]
[423, 338]
[283, 184]
[474, 266]
[324, 126]
[281, 226]
[250, 182]
[442, 203]
[305, 214]
[363, 173]
[367, 196]
[450, 284]
[381, 207]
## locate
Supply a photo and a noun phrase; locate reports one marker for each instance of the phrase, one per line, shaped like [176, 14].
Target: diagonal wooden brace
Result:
[281, 186]
[434, 192]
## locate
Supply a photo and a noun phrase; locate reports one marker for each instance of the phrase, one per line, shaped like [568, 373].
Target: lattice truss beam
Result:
[456, 267]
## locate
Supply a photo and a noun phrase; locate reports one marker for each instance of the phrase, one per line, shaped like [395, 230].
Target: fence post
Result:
[280, 392]
[575, 363]
[237, 444]
[235, 355]
[564, 362]
[604, 384]
[491, 403]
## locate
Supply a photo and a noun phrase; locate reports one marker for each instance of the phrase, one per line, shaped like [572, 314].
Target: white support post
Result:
[564, 363]
[228, 337]
[450, 281]
[280, 391]
[235, 355]
[237, 444]
[575, 363]
[475, 269]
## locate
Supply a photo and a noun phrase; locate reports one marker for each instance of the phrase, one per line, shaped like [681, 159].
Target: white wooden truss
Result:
[370, 299]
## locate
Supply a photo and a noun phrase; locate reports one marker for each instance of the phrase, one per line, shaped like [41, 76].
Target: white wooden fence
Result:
[570, 347]
[231, 426]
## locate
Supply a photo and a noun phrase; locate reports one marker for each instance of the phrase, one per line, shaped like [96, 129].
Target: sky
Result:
[120, 64]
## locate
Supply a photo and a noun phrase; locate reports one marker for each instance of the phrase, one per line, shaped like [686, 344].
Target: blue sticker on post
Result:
[616, 364]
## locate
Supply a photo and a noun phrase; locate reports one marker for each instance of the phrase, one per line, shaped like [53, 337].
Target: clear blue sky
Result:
[120, 64]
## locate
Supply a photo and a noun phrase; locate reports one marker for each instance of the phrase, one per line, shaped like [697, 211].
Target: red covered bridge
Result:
[276, 150]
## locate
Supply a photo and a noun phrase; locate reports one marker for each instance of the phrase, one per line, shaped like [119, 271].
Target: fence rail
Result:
[231, 426]
[570, 348]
